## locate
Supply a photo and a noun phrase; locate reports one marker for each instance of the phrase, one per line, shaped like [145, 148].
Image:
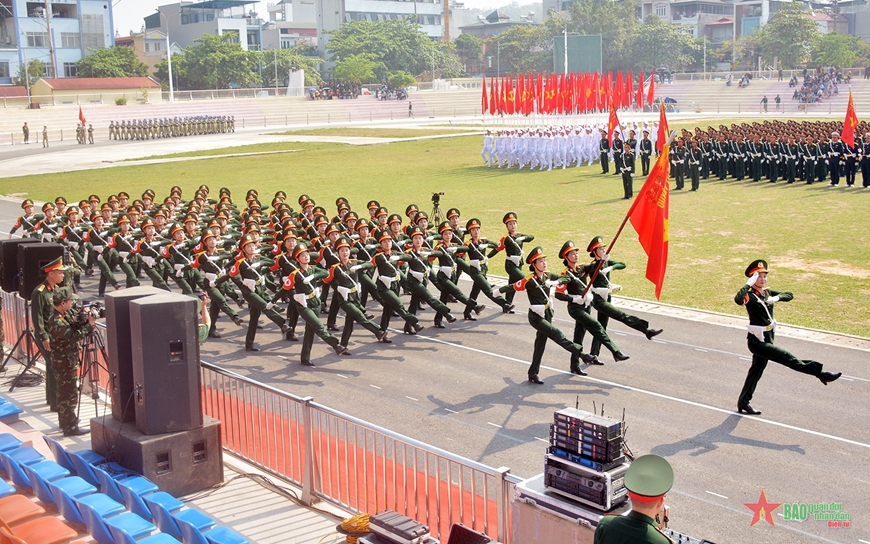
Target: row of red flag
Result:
[563, 93]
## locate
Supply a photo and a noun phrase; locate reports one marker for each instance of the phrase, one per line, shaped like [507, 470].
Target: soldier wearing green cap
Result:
[648, 480]
[418, 275]
[601, 289]
[578, 307]
[447, 273]
[64, 333]
[537, 286]
[41, 312]
[759, 302]
[388, 278]
[512, 245]
[477, 265]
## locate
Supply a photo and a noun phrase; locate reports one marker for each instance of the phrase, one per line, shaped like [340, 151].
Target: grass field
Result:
[815, 238]
[362, 132]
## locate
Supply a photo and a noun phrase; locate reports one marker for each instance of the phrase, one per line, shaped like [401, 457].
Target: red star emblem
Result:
[762, 508]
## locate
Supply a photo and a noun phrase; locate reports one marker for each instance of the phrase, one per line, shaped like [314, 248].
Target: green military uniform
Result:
[759, 305]
[65, 334]
[513, 248]
[418, 275]
[388, 279]
[477, 268]
[41, 312]
[648, 479]
[447, 274]
[537, 287]
[601, 288]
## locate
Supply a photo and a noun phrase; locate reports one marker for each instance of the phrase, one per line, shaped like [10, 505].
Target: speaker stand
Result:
[30, 341]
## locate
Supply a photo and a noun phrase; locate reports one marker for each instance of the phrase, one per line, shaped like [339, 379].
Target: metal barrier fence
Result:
[352, 463]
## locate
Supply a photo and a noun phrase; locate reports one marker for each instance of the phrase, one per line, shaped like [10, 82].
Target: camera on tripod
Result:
[95, 308]
[436, 198]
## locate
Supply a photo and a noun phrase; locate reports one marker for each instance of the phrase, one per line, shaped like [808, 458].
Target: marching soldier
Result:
[477, 266]
[121, 242]
[512, 245]
[537, 286]
[149, 255]
[27, 221]
[759, 303]
[97, 238]
[418, 275]
[210, 263]
[601, 289]
[446, 275]
[388, 280]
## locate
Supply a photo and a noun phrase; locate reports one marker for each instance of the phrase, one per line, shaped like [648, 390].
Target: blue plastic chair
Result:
[68, 504]
[167, 523]
[219, 535]
[6, 489]
[137, 505]
[48, 469]
[61, 455]
[99, 527]
[110, 485]
[8, 409]
[40, 484]
[9, 442]
[160, 538]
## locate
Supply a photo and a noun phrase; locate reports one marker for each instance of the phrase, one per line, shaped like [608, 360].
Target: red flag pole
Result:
[594, 274]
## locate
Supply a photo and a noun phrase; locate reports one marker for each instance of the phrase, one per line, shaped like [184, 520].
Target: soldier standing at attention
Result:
[604, 151]
[44, 136]
[90, 134]
[626, 166]
[26, 130]
[648, 479]
[759, 301]
[537, 286]
[64, 333]
[512, 244]
[41, 312]
[645, 152]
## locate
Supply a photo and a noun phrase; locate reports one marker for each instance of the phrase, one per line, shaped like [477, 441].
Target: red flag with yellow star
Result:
[649, 217]
[82, 115]
[850, 124]
[612, 124]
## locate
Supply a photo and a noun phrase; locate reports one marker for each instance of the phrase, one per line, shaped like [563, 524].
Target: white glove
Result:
[211, 279]
[606, 269]
[551, 283]
[752, 279]
[614, 287]
[355, 267]
[307, 280]
[605, 257]
[577, 299]
[394, 258]
[587, 300]
[178, 267]
[771, 300]
[250, 284]
[451, 249]
[270, 305]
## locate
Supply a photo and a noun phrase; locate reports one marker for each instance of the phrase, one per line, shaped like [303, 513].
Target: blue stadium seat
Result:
[48, 469]
[6, 489]
[137, 505]
[68, 504]
[99, 527]
[109, 485]
[39, 483]
[219, 535]
[63, 458]
[167, 523]
[9, 442]
[160, 538]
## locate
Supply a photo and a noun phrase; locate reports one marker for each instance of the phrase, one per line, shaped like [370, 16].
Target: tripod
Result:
[89, 369]
[436, 215]
[30, 341]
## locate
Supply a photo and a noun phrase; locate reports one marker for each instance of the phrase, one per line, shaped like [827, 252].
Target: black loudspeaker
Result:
[166, 378]
[119, 348]
[460, 534]
[32, 258]
[9, 262]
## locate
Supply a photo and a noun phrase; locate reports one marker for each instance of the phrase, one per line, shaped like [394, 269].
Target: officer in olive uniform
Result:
[41, 311]
[388, 280]
[759, 301]
[601, 289]
[64, 333]
[648, 479]
[537, 286]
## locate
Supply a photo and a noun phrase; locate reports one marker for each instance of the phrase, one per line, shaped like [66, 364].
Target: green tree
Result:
[469, 49]
[522, 49]
[656, 43]
[401, 79]
[393, 45]
[216, 62]
[355, 68]
[286, 60]
[35, 69]
[788, 36]
[615, 22]
[841, 50]
[111, 62]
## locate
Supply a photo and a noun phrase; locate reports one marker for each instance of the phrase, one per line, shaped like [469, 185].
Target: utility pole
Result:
[566, 48]
[50, 44]
[275, 51]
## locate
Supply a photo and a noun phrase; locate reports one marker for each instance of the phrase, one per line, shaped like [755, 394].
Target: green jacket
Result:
[632, 528]
[65, 334]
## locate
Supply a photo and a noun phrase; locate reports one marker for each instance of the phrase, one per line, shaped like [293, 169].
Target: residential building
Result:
[76, 26]
[85, 90]
[289, 34]
[486, 27]
[185, 22]
[297, 11]
[149, 46]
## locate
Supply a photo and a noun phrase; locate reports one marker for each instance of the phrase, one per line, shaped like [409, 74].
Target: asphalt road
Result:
[464, 389]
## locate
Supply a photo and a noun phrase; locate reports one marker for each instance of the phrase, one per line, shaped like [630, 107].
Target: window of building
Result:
[37, 39]
[93, 32]
[4, 69]
[233, 35]
[48, 72]
[662, 10]
[70, 39]
[147, 47]
[70, 69]
[158, 46]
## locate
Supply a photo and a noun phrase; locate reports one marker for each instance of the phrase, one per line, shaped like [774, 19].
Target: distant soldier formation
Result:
[166, 127]
[322, 265]
[770, 150]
